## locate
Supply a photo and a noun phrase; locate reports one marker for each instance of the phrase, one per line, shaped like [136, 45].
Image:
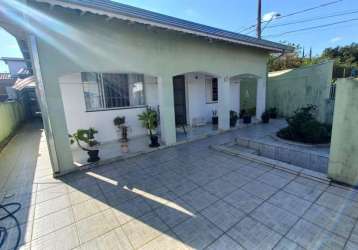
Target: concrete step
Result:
[293, 169]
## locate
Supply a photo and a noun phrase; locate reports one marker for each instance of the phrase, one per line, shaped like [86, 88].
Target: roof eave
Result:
[110, 14]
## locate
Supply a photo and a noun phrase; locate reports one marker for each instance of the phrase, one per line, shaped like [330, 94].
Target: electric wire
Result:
[312, 27]
[294, 13]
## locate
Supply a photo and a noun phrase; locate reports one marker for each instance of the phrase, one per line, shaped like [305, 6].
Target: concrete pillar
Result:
[343, 157]
[166, 105]
[224, 103]
[260, 97]
[53, 113]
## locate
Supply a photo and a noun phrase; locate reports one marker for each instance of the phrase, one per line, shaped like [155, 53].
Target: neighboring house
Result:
[6, 83]
[95, 60]
[290, 89]
[17, 66]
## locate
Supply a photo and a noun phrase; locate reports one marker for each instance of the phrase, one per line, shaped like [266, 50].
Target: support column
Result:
[224, 103]
[260, 97]
[166, 105]
[53, 114]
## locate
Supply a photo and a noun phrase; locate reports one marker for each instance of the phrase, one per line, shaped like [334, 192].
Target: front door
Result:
[179, 100]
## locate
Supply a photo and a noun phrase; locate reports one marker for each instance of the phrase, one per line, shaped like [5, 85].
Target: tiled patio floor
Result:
[184, 197]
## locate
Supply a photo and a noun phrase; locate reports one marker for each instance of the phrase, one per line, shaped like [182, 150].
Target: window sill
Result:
[119, 108]
[213, 102]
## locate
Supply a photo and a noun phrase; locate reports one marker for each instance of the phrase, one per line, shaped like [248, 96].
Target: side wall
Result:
[290, 89]
[11, 115]
[77, 116]
[343, 161]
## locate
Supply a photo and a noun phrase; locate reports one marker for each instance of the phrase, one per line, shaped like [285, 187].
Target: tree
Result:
[346, 55]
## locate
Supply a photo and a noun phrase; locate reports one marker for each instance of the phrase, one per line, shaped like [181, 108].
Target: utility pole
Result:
[259, 19]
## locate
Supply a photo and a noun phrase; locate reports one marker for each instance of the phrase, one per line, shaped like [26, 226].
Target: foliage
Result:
[272, 112]
[84, 135]
[265, 116]
[233, 114]
[345, 55]
[119, 121]
[303, 127]
[215, 113]
[149, 120]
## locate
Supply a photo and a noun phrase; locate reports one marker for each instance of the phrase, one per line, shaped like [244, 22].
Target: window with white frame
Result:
[211, 86]
[111, 90]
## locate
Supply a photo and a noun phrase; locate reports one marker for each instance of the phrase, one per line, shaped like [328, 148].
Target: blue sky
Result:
[235, 15]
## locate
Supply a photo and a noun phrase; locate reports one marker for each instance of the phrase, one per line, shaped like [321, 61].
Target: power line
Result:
[313, 27]
[296, 12]
[311, 19]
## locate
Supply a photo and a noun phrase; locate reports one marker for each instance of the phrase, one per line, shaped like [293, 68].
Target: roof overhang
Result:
[125, 12]
[29, 82]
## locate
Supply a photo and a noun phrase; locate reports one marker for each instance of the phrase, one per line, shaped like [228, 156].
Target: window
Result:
[211, 85]
[109, 90]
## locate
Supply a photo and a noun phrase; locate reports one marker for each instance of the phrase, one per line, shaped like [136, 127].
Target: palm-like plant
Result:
[86, 136]
[149, 120]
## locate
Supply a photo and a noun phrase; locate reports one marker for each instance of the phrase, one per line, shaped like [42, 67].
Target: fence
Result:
[11, 116]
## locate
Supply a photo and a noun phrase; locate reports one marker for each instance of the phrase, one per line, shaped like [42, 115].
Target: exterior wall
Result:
[290, 89]
[11, 115]
[196, 97]
[4, 85]
[89, 43]
[77, 116]
[343, 160]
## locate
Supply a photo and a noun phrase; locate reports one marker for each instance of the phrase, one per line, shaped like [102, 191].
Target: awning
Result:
[29, 82]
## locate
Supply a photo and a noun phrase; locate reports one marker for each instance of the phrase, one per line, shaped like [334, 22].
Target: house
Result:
[6, 83]
[17, 66]
[17, 69]
[95, 60]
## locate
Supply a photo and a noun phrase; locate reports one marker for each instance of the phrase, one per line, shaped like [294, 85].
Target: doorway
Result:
[179, 100]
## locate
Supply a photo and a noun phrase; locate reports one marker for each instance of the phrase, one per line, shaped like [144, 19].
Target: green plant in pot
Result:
[215, 118]
[273, 113]
[149, 121]
[265, 117]
[245, 113]
[233, 118]
[119, 122]
[87, 136]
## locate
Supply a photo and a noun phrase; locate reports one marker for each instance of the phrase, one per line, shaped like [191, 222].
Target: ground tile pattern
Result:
[183, 197]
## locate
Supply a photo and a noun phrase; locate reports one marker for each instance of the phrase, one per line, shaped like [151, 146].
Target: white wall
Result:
[77, 117]
[197, 106]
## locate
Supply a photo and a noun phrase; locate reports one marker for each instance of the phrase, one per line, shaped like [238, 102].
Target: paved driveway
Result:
[185, 197]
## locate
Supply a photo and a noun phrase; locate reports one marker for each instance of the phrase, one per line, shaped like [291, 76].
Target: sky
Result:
[236, 15]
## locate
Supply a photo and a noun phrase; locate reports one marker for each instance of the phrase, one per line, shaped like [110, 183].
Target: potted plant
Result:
[265, 117]
[149, 121]
[233, 118]
[87, 136]
[245, 112]
[119, 122]
[214, 118]
[273, 113]
[246, 117]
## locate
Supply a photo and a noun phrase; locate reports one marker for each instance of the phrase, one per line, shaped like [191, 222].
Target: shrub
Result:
[303, 127]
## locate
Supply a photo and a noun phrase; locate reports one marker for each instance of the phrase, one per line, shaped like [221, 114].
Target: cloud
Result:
[270, 16]
[336, 39]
